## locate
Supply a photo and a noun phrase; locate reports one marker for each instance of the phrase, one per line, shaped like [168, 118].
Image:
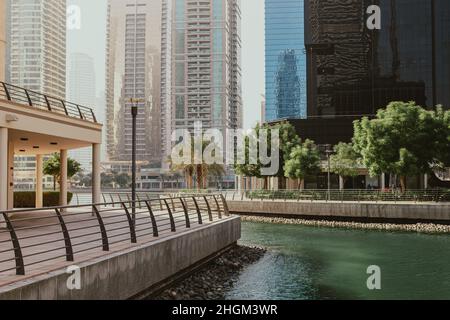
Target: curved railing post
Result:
[64, 107]
[199, 214]
[152, 217]
[20, 266]
[219, 211]
[49, 107]
[172, 221]
[209, 209]
[30, 103]
[8, 96]
[93, 116]
[131, 223]
[79, 112]
[186, 213]
[225, 206]
[65, 231]
[105, 241]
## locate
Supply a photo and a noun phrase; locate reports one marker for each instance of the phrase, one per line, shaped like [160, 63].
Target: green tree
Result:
[123, 180]
[303, 160]
[288, 141]
[52, 167]
[401, 140]
[345, 161]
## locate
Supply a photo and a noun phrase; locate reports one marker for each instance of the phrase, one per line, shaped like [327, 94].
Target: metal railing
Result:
[42, 101]
[415, 196]
[39, 238]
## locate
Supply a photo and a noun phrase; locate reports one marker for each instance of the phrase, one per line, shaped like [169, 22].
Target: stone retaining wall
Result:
[419, 212]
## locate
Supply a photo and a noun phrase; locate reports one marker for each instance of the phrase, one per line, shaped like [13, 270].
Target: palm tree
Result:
[200, 170]
[52, 167]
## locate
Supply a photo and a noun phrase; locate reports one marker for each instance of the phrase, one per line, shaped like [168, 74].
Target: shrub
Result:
[27, 199]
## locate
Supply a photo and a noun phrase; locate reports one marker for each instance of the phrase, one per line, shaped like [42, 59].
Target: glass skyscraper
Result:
[356, 71]
[285, 60]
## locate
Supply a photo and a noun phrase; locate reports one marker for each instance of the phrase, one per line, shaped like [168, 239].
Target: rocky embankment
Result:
[213, 280]
[419, 227]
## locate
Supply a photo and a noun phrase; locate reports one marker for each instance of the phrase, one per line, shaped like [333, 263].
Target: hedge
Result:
[27, 199]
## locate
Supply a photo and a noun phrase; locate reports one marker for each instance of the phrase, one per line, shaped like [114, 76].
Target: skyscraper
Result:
[133, 71]
[3, 38]
[285, 60]
[354, 70]
[36, 58]
[81, 89]
[204, 79]
[37, 48]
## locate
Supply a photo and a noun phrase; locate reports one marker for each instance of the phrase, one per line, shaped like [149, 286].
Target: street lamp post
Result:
[134, 113]
[329, 152]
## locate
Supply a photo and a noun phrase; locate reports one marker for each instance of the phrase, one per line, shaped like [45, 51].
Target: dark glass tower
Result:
[354, 71]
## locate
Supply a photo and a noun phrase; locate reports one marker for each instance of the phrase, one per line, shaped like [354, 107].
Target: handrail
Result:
[45, 102]
[354, 195]
[31, 240]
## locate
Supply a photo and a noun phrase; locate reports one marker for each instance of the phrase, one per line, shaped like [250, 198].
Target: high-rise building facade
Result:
[37, 45]
[133, 71]
[354, 69]
[81, 89]
[286, 95]
[204, 80]
[3, 38]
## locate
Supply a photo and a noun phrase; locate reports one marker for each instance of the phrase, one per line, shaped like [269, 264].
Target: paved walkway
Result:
[43, 246]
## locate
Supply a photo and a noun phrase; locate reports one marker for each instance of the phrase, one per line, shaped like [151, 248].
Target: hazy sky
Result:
[91, 39]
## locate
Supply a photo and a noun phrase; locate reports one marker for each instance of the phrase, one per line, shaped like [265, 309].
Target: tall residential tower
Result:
[81, 89]
[37, 48]
[133, 71]
[204, 73]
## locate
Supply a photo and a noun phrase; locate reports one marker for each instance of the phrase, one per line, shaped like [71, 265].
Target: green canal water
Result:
[321, 263]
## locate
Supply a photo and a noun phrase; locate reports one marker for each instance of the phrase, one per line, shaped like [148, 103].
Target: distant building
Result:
[36, 59]
[81, 90]
[37, 46]
[133, 61]
[285, 60]
[202, 79]
[263, 110]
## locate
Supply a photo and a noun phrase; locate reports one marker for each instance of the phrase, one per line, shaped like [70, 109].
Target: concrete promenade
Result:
[361, 211]
[120, 273]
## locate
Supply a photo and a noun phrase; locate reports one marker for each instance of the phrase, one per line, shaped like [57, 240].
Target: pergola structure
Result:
[35, 124]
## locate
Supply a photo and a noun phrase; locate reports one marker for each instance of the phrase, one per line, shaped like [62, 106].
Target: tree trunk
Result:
[403, 183]
[54, 183]
[199, 177]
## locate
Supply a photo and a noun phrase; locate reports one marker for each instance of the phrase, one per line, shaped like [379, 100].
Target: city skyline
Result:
[90, 39]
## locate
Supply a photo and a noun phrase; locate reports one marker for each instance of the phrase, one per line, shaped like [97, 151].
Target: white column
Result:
[341, 183]
[425, 181]
[39, 176]
[383, 181]
[3, 171]
[96, 183]
[10, 176]
[63, 178]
